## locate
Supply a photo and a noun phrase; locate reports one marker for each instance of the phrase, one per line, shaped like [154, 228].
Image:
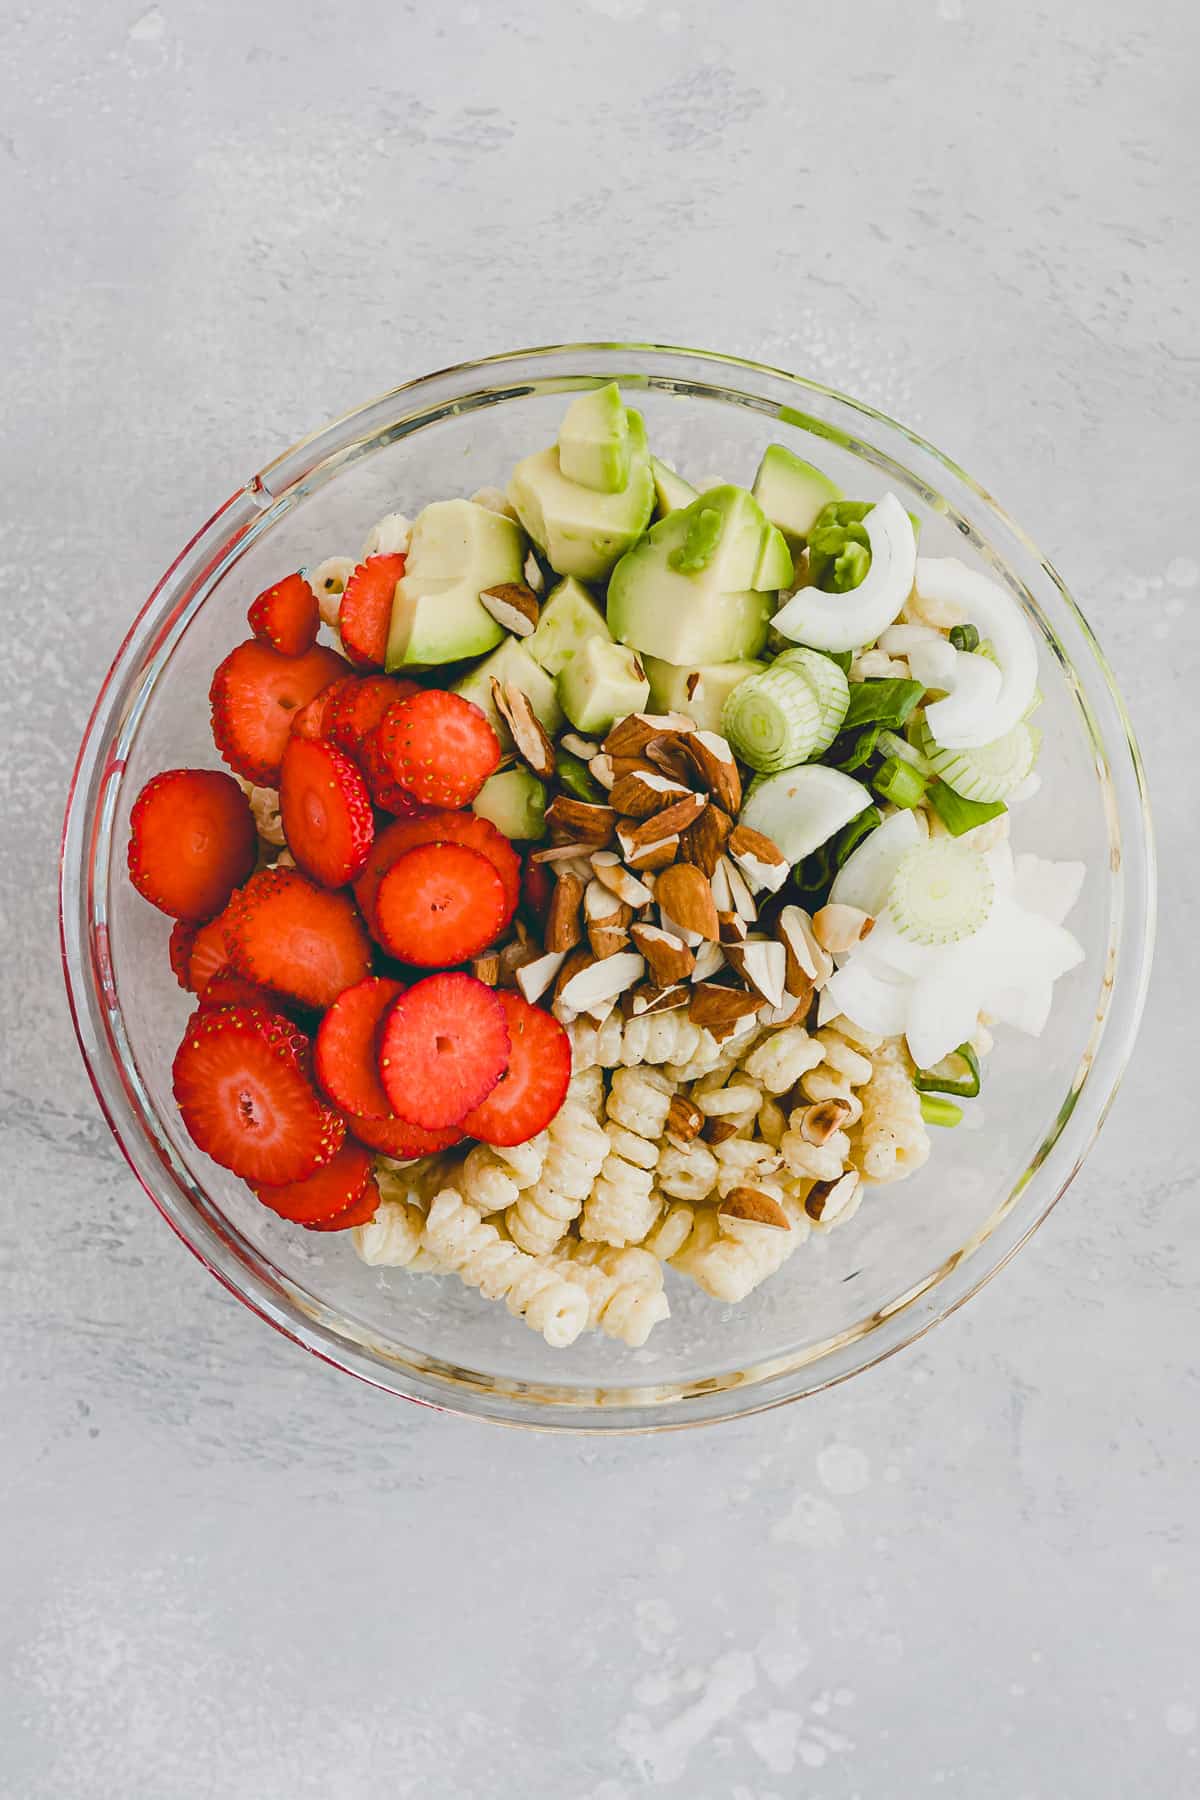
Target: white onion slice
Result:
[972, 692]
[1049, 889]
[899, 640]
[996, 616]
[943, 1012]
[933, 663]
[847, 621]
[868, 999]
[866, 875]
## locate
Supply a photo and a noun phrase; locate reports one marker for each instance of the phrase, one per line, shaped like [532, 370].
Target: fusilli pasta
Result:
[625, 1292]
[577, 1145]
[624, 1203]
[535, 1290]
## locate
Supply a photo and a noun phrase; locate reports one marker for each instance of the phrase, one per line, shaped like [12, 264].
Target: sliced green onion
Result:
[943, 1080]
[853, 748]
[959, 815]
[884, 702]
[964, 637]
[830, 690]
[772, 720]
[852, 835]
[577, 778]
[899, 783]
[936, 1111]
[941, 892]
[891, 744]
[989, 772]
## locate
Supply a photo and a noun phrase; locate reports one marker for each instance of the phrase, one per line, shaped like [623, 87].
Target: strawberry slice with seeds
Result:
[438, 827]
[191, 841]
[313, 719]
[360, 706]
[228, 988]
[346, 1052]
[255, 695]
[305, 941]
[242, 1082]
[442, 1048]
[361, 1212]
[386, 791]
[210, 953]
[179, 949]
[439, 904]
[325, 1195]
[401, 1141]
[326, 811]
[365, 615]
[439, 746]
[533, 1086]
[286, 616]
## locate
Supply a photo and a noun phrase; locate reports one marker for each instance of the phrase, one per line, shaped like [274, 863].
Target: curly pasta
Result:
[687, 1174]
[491, 1178]
[392, 1239]
[729, 1267]
[624, 1203]
[891, 1140]
[840, 1069]
[587, 1086]
[328, 581]
[649, 1038]
[264, 804]
[743, 1162]
[389, 536]
[577, 1145]
[624, 1289]
[673, 1230]
[778, 1062]
[535, 1290]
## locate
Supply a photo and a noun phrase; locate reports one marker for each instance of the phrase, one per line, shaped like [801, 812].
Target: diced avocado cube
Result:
[457, 550]
[582, 532]
[568, 618]
[699, 690]
[512, 663]
[792, 492]
[514, 801]
[593, 441]
[670, 489]
[601, 684]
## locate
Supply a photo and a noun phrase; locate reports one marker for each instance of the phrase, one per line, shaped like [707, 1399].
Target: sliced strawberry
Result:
[401, 1141]
[443, 1047]
[439, 827]
[255, 694]
[386, 791]
[286, 616]
[228, 988]
[439, 746]
[326, 811]
[191, 841]
[361, 704]
[346, 1052]
[287, 933]
[438, 905]
[179, 949]
[313, 720]
[361, 1212]
[210, 953]
[327, 1193]
[533, 1086]
[365, 615]
[537, 890]
[241, 1079]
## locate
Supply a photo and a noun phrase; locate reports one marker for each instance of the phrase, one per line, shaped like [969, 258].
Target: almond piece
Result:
[667, 957]
[487, 968]
[583, 748]
[762, 965]
[709, 958]
[535, 977]
[718, 1010]
[721, 890]
[717, 1131]
[528, 735]
[716, 765]
[666, 752]
[512, 604]
[606, 920]
[741, 899]
[580, 822]
[752, 1207]
[564, 927]
[840, 928]
[573, 856]
[597, 981]
[650, 999]
[794, 927]
[514, 956]
[733, 929]
[762, 863]
[612, 872]
[684, 1121]
[828, 1200]
[533, 574]
[629, 736]
[600, 768]
[819, 1121]
[576, 960]
[630, 765]
[643, 854]
[684, 893]
[642, 793]
[669, 822]
[703, 842]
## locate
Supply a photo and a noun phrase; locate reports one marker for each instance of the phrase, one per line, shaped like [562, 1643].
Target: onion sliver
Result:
[997, 617]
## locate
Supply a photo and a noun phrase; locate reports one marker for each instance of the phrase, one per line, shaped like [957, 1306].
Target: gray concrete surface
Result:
[226, 1571]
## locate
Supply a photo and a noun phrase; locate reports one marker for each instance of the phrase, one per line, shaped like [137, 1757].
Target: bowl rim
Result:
[281, 1303]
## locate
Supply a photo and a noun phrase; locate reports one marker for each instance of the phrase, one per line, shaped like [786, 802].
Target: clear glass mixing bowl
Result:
[915, 1251]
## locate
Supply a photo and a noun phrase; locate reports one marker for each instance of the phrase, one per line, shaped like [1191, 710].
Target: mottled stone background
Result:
[226, 1571]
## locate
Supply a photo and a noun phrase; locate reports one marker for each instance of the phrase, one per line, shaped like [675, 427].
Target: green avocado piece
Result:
[601, 684]
[574, 775]
[699, 690]
[512, 663]
[688, 593]
[839, 551]
[582, 532]
[670, 489]
[568, 617]
[792, 493]
[457, 550]
[593, 441]
[514, 801]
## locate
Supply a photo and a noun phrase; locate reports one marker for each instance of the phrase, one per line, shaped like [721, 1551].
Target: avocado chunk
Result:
[593, 441]
[671, 491]
[689, 593]
[601, 684]
[568, 618]
[792, 492]
[583, 532]
[700, 690]
[514, 801]
[512, 663]
[457, 550]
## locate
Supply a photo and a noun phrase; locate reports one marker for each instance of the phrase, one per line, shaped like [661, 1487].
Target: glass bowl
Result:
[915, 1251]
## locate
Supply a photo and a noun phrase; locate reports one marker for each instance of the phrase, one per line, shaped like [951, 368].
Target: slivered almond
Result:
[732, 929]
[741, 899]
[643, 792]
[575, 962]
[721, 890]
[715, 764]
[719, 1010]
[596, 981]
[819, 1121]
[583, 748]
[762, 964]
[600, 768]
[684, 1121]
[515, 956]
[564, 927]
[719, 1131]
[828, 1200]
[668, 958]
[839, 928]
[761, 863]
[795, 929]
[534, 979]
[562, 856]
[532, 744]
[703, 842]
[650, 999]
[581, 822]
[709, 958]
[629, 736]
[752, 1207]
[612, 872]
[512, 604]
[683, 892]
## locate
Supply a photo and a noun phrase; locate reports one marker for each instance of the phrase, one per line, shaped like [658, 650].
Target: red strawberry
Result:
[191, 841]
[179, 949]
[241, 1079]
[327, 1193]
[345, 1053]
[314, 718]
[289, 934]
[396, 1138]
[466, 828]
[210, 953]
[386, 791]
[537, 890]
[361, 1212]
[365, 615]
[286, 616]
[228, 988]
[439, 904]
[255, 694]
[439, 746]
[533, 1086]
[326, 811]
[361, 704]
[443, 1047]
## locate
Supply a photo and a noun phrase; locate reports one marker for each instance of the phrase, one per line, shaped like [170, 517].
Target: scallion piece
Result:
[843, 658]
[959, 815]
[852, 835]
[892, 744]
[899, 783]
[854, 748]
[936, 1111]
[773, 720]
[942, 1080]
[577, 778]
[964, 637]
[886, 703]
